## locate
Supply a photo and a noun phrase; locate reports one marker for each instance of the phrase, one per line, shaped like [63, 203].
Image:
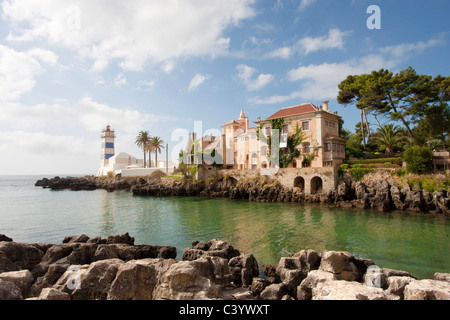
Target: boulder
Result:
[243, 268]
[258, 285]
[90, 282]
[52, 273]
[346, 290]
[124, 238]
[304, 290]
[6, 264]
[136, 279]
[22, 279]
[274, 292]
[442, 276]
[397, 198]
[341, 264]
[381, 200]
[9, 291]
[214, 248]
[427, 290]
[5, 238]
[397, 285]
[76, 239]
[24, 256]
[51, 294]
[292, 270]
[188, 280]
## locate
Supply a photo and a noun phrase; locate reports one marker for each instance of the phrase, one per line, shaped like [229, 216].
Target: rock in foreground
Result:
[84, 268]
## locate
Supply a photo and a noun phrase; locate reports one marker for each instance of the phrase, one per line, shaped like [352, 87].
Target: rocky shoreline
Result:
[379, 193]
[83, 268]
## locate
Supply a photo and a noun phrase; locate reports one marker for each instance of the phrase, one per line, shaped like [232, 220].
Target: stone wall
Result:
[308, 180]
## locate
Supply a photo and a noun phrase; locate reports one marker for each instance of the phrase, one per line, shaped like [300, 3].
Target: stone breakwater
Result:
[380, 193]
[83, 268]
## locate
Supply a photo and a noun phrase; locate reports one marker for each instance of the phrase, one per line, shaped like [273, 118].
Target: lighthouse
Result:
[108, 148]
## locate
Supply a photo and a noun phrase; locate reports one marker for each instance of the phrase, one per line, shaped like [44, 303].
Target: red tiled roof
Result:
[293, 111]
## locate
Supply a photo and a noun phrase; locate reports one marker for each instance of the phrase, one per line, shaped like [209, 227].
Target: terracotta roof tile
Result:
[293, 111]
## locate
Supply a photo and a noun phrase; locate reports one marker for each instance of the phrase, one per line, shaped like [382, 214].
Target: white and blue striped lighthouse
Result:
[108, 148]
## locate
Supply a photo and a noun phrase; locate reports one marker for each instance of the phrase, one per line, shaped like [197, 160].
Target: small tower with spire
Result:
[244, 119]
[108, 147]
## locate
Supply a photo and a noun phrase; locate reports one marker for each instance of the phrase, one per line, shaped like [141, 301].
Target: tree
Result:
[156, 144]
[388, 136]
[404, 96]
[418, 159]
[142, 141]
[351, 90]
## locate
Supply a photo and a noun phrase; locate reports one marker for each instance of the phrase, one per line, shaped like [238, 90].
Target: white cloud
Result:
[275, 99]
[42, 153]
[134, 32]
[86, 114]
[321, 81]
[334, 40]
[305, 3]
[246, 73]
[168, 66]
[145, 85]
[17, 73]
[42, 143]
[43, 55]
[284, 53]
[197, 80]
[404, 50]
[120, 80]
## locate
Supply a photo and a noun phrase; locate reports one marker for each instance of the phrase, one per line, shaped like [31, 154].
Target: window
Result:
[334, 147]
[307, 148]
[327, 147]
[267, 131]
[285, 129]
[326, 123]
[305, 125]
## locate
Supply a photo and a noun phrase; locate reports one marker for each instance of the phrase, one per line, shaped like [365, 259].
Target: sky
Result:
[69, 68]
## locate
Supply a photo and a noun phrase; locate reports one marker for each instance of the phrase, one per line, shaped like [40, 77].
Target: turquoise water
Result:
[417, 243]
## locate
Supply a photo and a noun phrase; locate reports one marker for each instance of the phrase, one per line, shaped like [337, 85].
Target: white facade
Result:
[120, 162]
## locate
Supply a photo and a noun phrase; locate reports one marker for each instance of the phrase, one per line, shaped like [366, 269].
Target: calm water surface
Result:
[418, 243]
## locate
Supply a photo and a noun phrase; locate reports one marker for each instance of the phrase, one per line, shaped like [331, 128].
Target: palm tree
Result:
[388, 135]
[142, 141]
[156, 144]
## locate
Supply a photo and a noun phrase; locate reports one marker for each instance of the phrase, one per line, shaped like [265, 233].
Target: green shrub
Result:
[157, 174]
[419, 160]
[429, 183]
[387, 164]
[193, 170]
[345, 166]
[359, 173]
[400, 172]
[396, 160]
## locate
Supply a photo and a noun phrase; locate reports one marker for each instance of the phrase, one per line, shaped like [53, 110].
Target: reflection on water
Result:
[414, 242]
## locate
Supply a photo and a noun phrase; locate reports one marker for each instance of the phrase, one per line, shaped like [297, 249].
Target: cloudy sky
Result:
[68, 68]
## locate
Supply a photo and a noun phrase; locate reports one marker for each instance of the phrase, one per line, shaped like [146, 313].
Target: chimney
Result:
[325, 106]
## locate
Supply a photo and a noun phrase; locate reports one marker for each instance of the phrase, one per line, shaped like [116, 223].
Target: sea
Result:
[415, 242]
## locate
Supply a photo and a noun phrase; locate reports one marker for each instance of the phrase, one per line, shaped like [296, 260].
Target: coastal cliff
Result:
[84, 268]
[374, 192]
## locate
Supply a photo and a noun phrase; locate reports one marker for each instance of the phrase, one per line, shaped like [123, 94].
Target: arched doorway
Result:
[316, 185]
[299, 182]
